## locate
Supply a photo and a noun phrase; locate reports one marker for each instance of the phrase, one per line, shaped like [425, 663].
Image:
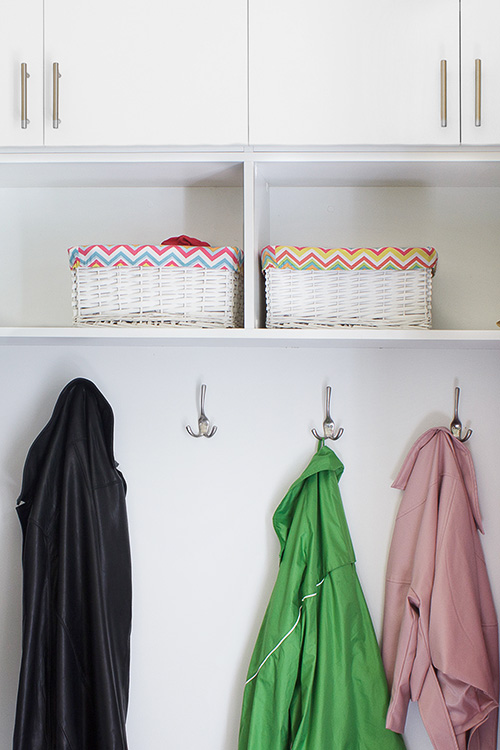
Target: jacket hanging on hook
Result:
[440, 635]
[73, 685]
[316, 680]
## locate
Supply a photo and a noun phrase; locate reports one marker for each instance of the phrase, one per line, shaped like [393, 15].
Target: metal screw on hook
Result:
[456, 425]
[203, 422]
[328, 424]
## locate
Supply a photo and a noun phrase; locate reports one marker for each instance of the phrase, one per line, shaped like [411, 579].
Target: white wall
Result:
[204, 553]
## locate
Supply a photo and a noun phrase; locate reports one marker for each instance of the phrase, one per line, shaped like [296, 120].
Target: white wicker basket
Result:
[374, 298]
[157, 295]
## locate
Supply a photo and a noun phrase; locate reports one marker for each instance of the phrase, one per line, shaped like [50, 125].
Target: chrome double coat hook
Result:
[328, 424]
[456, 425]
[204, 429]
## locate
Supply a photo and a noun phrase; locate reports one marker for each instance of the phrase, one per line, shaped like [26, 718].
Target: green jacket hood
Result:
[312, 506]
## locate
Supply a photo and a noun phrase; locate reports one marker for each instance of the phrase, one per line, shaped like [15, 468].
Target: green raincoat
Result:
[316, 680]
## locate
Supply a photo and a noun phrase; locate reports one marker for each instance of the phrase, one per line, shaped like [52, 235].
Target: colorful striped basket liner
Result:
[385, 287]
[164, 285]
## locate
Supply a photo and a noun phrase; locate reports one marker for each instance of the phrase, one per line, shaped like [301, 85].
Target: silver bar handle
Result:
[477, 119]
[24, 96]
[444, 94]
[55, 95]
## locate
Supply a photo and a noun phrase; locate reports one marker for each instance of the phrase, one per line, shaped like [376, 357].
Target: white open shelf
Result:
[357, 338]
[51, 200]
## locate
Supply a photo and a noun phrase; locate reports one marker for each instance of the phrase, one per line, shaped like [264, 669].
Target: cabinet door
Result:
[149, 72]
[480, 72]
[353, 71]
[21, 41]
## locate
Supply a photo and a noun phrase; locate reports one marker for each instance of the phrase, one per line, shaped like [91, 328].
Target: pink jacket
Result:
[440, 633]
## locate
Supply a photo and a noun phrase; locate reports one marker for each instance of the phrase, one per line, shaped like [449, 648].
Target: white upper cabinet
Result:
[358, 72]
[21, 42]
[321, 73]
[146, 73]
[480, 72]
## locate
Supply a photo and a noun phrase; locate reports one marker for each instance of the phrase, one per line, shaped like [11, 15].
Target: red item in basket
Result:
[184, 240]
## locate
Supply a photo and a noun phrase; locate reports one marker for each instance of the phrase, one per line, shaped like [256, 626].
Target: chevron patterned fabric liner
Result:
[132, 256]
[348, 258]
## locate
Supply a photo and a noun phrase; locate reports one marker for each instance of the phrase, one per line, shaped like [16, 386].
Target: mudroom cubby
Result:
[393, 200]
[50, 205]
[204, 553]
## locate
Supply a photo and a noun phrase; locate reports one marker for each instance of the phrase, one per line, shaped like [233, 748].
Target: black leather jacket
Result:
[73, 686]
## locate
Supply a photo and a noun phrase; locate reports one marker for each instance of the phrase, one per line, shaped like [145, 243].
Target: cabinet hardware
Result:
[477, 121]
[444, 95]
[55, 95]
[24, 96]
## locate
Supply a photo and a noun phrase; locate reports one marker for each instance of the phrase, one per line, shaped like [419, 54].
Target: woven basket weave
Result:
[157, 296]
[313, 298]
[162, 296]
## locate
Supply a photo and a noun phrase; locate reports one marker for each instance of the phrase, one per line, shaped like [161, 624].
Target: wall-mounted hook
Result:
[204, 429]
[328, 424]
[456, 425]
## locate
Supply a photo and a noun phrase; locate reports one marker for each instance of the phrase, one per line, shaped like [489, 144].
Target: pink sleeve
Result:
[399, 651]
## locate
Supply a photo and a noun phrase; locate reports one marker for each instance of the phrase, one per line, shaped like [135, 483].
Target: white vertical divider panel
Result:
[262, 220]
[250, 287]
